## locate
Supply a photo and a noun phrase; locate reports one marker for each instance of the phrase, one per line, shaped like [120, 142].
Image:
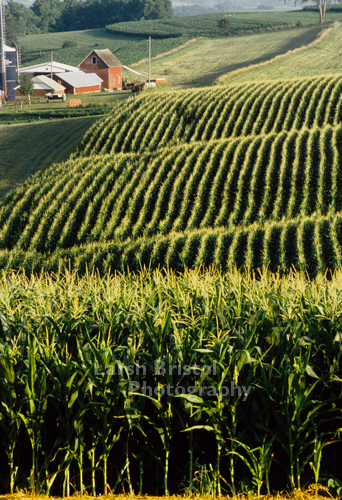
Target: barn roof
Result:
[80, 79]
[45, 82]
[107, 57]
[46, 68]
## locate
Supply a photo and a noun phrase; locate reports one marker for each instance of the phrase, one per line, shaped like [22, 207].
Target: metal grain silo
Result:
[11, 71]
[2, 53]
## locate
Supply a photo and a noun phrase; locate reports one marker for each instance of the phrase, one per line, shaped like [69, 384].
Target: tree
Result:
[26, 85]
[224, 25]
[322, 7]
[19, 20]
[49, 12]
[157, 9]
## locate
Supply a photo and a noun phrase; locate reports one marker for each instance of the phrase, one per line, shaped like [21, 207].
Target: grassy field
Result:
[128, 49]
[26, 149]
[321, 58]
[127, 43]
[206, 25]
[205, 60]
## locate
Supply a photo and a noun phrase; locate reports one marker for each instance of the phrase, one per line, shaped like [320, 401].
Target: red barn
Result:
[106, 66]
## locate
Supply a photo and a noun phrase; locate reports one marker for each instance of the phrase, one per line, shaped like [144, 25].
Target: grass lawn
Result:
[25, 149]
[202, 62]
[321, 58]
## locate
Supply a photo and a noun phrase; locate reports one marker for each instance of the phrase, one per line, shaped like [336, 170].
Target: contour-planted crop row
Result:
[310, 244]
[224, 183]
[157, 120]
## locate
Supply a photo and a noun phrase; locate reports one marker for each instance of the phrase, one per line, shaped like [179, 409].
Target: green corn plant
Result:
[9, 408]
[258, 461]
[34, 409]
[68, 383]
[301, 415]
[104, 399]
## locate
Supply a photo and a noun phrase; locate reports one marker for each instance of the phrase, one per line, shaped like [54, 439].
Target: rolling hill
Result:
[202, 62]
[172, 118]
[318, 59]
[243, 175]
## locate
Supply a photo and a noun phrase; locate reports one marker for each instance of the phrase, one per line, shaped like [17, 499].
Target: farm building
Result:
[79, 82]
[106, 66]
[43, 85]
[11, 71]
[47, 68]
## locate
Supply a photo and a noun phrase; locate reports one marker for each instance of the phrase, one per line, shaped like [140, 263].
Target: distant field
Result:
[322, 58]
[125, 39]
[128, 49]
[202, 62]
[206, 25]
[25, 149]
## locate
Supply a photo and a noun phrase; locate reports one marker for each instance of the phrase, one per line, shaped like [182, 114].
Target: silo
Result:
[11, 72]
[2, 52]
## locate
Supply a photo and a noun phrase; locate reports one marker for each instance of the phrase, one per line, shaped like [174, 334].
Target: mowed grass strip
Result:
[205, 60]
[25, 149]
[319, 59]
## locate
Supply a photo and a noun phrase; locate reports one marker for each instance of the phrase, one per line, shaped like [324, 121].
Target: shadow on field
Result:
[291, 44]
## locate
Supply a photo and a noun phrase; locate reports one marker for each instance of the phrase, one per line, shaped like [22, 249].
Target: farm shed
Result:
[45, 69]
[106, 66]
[43, 85]
[79, 82]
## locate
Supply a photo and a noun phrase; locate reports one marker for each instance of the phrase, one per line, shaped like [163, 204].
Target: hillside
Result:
[128, 49]
[172, 118]
[207, 25]
[128, 41]
[321, 58]
[202, 62]
[183, 184]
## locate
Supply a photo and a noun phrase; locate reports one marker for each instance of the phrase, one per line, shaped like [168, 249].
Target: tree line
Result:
[68, 15]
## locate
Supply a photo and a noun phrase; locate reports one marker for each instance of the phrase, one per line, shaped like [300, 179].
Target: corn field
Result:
[154, 121]
[216, 383]
[266, 201]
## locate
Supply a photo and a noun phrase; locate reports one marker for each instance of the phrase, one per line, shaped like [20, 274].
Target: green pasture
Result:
[128, 49]
[25, 149]
[129, 41]
[322, 58]
[206, 25]
[205, 60]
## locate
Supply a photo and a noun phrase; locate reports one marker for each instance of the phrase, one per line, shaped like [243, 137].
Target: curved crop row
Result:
[154, 121]
[230, 182]
[311, 244]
